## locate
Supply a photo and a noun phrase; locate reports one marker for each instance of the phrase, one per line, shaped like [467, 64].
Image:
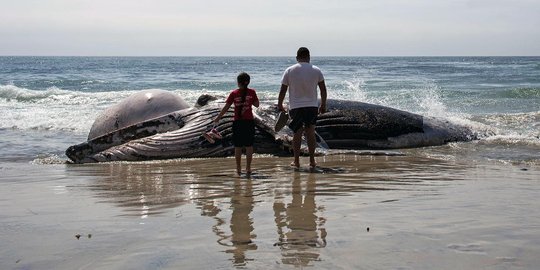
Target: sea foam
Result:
[58, 109]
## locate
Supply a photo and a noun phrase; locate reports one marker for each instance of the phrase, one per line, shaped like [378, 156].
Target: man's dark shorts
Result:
[243, 133]
[303, 117]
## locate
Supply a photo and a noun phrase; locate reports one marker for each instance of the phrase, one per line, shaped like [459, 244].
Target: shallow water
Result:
[422, 213]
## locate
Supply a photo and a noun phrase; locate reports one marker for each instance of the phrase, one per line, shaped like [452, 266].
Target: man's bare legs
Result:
[297, 142]
[311, 142]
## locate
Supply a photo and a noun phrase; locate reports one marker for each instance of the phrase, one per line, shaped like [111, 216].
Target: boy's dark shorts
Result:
[243, 133]
[303, 117]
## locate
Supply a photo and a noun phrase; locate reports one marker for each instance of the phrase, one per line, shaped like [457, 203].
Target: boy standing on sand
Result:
[302, 80]
[243, 124]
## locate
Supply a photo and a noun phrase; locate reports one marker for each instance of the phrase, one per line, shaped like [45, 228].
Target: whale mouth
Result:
[166, 123]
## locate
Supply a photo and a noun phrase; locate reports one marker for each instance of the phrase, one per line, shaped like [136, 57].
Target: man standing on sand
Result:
[302, 80]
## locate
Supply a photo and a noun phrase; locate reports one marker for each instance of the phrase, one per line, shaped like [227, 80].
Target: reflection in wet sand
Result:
[147, 189]
[142, 189]
[239, 241]
[241, 224]
[300, 230]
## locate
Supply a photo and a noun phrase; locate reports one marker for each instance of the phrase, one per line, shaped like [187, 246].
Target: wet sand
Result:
[357, 212]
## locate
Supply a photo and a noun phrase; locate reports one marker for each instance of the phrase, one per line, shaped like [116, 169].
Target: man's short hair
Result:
[302, 53]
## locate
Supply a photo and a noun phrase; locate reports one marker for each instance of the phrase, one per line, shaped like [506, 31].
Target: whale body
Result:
[157, 124]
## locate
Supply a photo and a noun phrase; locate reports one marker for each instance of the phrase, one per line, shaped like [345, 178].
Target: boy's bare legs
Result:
[249, 157]
[297, 142]
[238, 158]
[312, 144]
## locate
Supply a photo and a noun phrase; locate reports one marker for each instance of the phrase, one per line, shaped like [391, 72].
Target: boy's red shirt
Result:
[236, 97]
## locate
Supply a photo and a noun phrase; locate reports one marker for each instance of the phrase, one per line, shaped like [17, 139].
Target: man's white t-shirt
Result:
[302, 80]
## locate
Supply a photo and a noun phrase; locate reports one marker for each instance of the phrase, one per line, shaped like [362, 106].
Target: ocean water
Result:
[50, 103]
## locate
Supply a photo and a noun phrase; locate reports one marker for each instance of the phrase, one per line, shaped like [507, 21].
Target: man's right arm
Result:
[282, 93]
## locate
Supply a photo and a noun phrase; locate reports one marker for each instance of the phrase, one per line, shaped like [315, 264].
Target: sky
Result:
[270, 28]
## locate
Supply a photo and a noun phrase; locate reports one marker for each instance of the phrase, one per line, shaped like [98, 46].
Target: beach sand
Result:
[356, 212]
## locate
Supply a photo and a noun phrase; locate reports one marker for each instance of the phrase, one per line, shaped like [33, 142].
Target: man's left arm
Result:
[322, 87]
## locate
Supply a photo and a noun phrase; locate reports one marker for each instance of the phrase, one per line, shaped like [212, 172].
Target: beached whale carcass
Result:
[157, 124]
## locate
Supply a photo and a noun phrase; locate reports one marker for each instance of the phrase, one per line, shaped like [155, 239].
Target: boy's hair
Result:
[302, 53]
[243, 78]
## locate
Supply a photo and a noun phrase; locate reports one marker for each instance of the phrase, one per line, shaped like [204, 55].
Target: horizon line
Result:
[22, 55]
